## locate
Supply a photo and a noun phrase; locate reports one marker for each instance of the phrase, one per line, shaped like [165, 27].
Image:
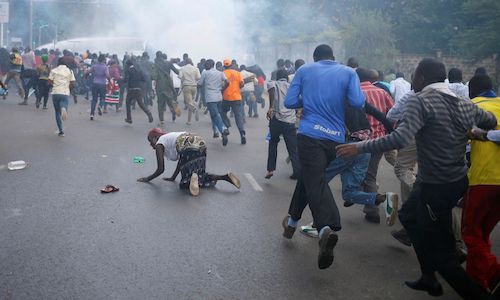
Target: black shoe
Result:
[432, 287]
[288, 231]
[349, 204]
[128, 121]
[402, 237]
[91, 118]
[61, 134]
[373, 218]
[224, 137]
[99, 110]
[293, 177]
[243, 140]
[327, 241]
[216, 135]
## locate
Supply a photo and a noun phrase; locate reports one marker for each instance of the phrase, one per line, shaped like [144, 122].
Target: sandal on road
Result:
[109, 189]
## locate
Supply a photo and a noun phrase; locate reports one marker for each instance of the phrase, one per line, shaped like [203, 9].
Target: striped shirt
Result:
[439, 123]
[382, 101]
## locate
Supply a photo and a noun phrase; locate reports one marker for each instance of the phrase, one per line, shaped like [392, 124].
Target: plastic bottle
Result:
[17, 165]
[138, 159]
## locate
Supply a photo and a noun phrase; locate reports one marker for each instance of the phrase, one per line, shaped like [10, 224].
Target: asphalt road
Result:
[62, 239]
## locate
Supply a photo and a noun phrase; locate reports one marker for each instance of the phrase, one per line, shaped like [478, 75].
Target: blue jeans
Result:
[59, 101]
[214, 108]
[237, 107]
[352, 174]
[98, 91]
[250, 101]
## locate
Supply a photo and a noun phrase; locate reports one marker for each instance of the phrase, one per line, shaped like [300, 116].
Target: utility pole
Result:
[31, 24]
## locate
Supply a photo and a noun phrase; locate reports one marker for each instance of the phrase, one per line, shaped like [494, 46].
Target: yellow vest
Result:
[485, 156]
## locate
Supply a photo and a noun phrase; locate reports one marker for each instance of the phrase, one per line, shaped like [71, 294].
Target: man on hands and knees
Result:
[439, 121]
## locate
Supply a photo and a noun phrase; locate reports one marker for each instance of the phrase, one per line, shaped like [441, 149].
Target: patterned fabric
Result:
[382, 101]
[193, 161]
[188, 141]
[112, 92]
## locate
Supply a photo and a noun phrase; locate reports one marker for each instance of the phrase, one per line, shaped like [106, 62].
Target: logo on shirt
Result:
[327, 130]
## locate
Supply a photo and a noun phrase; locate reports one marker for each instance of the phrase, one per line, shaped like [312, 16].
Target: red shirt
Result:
[382, 101]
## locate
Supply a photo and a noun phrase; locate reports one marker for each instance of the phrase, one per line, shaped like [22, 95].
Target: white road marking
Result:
[253, 182]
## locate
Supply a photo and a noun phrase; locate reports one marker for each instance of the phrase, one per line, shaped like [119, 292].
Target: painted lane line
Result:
[253, 182]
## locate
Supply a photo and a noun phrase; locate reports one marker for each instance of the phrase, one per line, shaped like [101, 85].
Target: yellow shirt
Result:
[485, 156]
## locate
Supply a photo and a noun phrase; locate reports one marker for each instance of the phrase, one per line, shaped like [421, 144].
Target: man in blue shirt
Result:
[321, 89]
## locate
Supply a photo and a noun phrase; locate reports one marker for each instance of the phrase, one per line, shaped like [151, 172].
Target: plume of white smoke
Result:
[201, 28]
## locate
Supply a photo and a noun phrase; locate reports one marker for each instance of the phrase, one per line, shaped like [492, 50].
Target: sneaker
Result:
[216, 135]
[61, 134]
[243, 140]
[234, 180]
[99, 110]
[348, 204]
[194, 188]
[309, 230]
[64, 114]
[390, 206]
[37, 104]
[402, 237]
[91, 118]
[224, 137]
[128, 121]
[327, 241]
[288, 231]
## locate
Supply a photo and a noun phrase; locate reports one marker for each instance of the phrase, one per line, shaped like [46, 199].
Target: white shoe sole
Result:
[235, 180]
[194, 188]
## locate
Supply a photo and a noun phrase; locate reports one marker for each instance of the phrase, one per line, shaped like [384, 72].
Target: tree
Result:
[367, 35]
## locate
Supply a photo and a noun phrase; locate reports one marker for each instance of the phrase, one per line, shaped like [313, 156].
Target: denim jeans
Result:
[237, 107]
[249, 99]
[214, 109]
[59, 101]
[352, 172]
[98, 91]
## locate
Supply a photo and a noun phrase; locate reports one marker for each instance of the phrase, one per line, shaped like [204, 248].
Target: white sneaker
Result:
[194, 188]
[391, 206]
[309, 230]
[64, 113]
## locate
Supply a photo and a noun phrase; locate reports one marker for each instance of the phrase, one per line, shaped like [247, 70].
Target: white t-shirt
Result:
[61, 77]
[399, 88]
[249, 86]
[169, 142]
[175, 78]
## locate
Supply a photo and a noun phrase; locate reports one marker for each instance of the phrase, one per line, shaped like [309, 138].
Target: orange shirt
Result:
[233, 93]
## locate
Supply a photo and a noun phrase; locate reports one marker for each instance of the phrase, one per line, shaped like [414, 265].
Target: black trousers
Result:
[43, 92]
[315, 155]
[132, 96]
[427, 218]
[276, 129]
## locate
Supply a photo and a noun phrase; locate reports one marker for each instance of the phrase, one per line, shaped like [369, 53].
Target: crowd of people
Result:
[438, 132]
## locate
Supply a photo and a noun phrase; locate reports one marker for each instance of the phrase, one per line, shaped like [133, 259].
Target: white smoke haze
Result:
[203, 29]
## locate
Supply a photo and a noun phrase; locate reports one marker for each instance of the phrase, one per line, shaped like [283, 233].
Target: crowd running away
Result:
[439, 132]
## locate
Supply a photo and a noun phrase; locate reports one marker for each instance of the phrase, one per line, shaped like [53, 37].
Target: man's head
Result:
[243, 68]
[480, 71]
[218, 65]
[129, 63]
[227, 63]
[44, 58]
[159, 54]
[454, 75]
[203, 61]
[479, 84]
[61, 61]
[353, 62]
[299, 63]
[15, 50]
[209, 64]
[189, 61]
[381, 75]
[185, 56]
[288, 63]
[373, 75]
[323, 52]
[145, 55]
[400, 75]
[153, 136]
[280, 63]
[363, 74]
[428, 71]
[66, 52]
[101, 58]
[282, 74]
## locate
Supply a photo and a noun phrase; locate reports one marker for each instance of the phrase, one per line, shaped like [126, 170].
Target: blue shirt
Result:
[322, 89]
